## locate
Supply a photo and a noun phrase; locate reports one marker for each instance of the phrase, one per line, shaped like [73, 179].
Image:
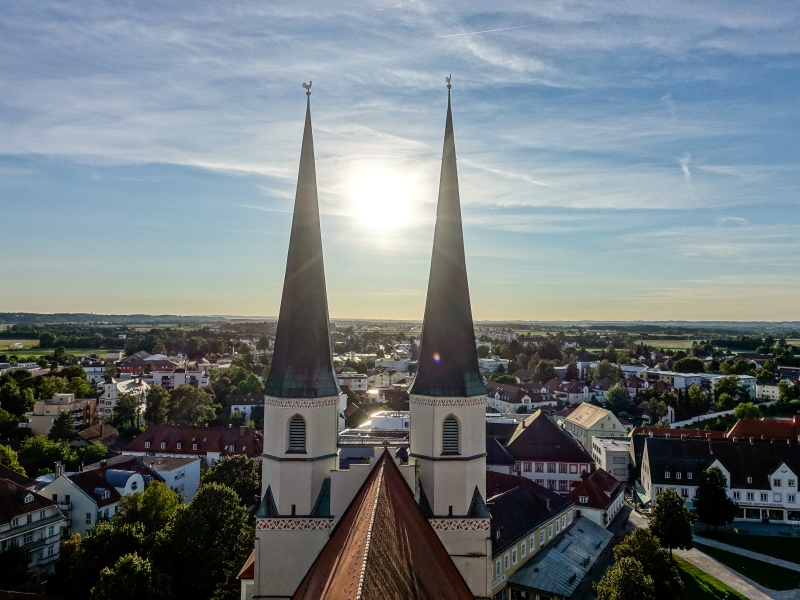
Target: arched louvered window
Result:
[450, 436]
[297, 434]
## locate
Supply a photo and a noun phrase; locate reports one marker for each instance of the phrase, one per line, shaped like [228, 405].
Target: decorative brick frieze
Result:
[448, 402]
[300, 402]
[298, 524]
[460, 524]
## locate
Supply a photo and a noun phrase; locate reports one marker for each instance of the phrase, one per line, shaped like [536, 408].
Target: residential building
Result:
[111, 390]
[356, 382]
[558, 572]
[171, 379]
[787, 430]
[114, 355]
[783, 372]
[498, 458]
[767, 389]
[244, 404]
[599, 497]
[526, 519]
[34, 523]
[598, 389]
[95, 371]
[101, 433]
[588, 421]
[45, 412]
[396, 363]
[762, 476]
[137, 364]
[613, 455]
[544, 452]
[209, 443]
[492, 364]
[508, 398]
[89, 496]
[672, 378]
[180, 474]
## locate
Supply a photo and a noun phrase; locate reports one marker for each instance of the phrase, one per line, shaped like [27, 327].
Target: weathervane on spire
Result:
[448, 81]
[307, 87]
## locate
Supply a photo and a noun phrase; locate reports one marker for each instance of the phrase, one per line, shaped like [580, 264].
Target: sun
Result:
[381, 197]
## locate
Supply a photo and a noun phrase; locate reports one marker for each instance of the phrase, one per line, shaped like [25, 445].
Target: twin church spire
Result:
[302, 365]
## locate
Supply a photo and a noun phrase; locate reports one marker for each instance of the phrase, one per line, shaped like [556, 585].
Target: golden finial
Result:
[307, 87]
[447, 79]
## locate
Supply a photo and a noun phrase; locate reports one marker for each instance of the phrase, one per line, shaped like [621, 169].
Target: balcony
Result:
[36, 524]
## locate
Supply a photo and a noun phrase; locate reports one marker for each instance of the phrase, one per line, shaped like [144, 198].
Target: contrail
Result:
[487, 31]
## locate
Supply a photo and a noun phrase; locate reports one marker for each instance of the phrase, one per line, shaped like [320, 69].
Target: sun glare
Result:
[381, 197]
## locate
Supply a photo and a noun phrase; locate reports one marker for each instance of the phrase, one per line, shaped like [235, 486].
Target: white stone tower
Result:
[301, 406]
[448, 399]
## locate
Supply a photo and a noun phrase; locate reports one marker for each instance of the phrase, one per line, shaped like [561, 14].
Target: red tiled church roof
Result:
[383, 547]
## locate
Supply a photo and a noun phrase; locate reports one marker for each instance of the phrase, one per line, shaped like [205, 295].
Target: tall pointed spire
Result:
[302, 364]
[448, 359]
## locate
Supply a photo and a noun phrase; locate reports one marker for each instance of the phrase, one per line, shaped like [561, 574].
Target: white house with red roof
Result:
[184, 441]
[599, 497]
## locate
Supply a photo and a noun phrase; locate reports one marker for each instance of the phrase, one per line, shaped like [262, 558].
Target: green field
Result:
[699, 585]
[785, 548]
[33, 351]
[667, 344]
[28, 344]
[766, 574]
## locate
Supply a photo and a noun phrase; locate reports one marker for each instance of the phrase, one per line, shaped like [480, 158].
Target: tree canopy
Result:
[625, 580]
[63, 427]
[711, 501]
[617, 399]
[131, 578]
[671, 522]
[241, 474]
[645, 548]
[747, 410]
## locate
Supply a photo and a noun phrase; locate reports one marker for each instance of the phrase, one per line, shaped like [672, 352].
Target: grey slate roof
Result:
[448, 357]
[561, 566]
[302, 363]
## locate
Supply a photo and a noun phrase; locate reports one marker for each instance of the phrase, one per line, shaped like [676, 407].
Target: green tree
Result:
[206, 544]
[786, 391]
[695, 401]
[483, 351]
[522, 360]
[625, 580]
[153, 509]
[263, 343]
[191, 406]
[671, 522]
[131, 578]
[767, 371]
[572, 371]
[47, 340]
[14, 571]
[724, 402]
[38, 455]
[110, 371]
[645, 548]
[656, 409]
[688, 365]
[747, 410]
[617, 399]
[241, 474]
[605, 370]
[545, 371]
[103, 547]
[157, 406]
[727, 385]
[15, 399]
[8, 423]
[250, 385]
[126, 411]
[63, 427]
[95, 452]
[711, 501]
[80, 388]
[51, 385]
[10, 460]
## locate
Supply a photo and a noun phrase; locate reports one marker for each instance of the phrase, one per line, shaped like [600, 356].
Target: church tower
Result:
[301, 405]
[447, 398]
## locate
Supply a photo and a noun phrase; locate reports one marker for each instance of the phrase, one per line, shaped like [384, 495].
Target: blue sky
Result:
[617, 160]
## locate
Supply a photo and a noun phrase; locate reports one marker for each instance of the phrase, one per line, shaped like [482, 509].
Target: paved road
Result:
[748, 553]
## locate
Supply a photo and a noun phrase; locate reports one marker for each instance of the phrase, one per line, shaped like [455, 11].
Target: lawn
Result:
[785, 548]
[667, 344]
[766, 574]
[34, 353]
[699, 585]
[4, 344]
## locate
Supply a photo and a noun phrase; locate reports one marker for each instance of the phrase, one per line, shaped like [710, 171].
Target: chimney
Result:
[230, 425]
[711, 446]
[104, 463]
[59, 469]
[242, 429]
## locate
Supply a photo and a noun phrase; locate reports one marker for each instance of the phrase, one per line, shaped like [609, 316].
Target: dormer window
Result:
[749, 480]
[678, 475]
[666, 474]
[147, 444]
[194, 446]
[106, 495]
[178, 445]
[163, 445]
[688, 475]
[28, 498]
[583, 499]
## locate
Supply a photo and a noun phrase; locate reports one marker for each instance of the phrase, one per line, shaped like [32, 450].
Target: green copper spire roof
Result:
[302, 364]
[448, 358]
